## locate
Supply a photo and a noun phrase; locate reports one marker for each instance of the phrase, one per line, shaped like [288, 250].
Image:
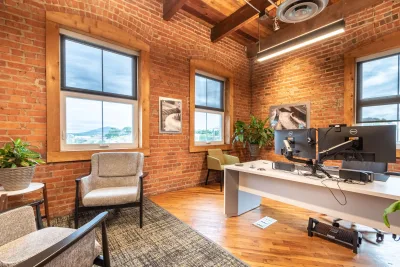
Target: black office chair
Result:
[380, 169]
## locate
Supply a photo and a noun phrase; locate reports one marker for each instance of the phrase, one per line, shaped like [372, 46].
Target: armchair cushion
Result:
[111, 196]
[16, 223]
[214, 163]
[117, 164]
[217, 153]
[82, 253]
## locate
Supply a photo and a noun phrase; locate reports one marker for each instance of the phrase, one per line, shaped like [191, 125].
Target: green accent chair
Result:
[216, 161]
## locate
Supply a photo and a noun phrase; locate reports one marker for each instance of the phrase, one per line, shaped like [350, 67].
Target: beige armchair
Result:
[115, 181]
[216, 160]
[22, 244]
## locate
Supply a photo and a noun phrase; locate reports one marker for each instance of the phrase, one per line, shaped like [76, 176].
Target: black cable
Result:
[345, 198]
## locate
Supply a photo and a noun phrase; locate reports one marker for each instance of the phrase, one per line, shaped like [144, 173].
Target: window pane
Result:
[214, 126]
[200, 127]
[83, 121]
[82, 66]
[214, 94]
[201, 91]
[379, 113]
[118, 73]
[380, 77]
[118, 123]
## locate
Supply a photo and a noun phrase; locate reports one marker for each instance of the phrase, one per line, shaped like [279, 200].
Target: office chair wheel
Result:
[380, 237]
[336, 224]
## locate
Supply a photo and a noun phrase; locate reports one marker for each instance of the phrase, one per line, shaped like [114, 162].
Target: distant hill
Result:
[93, 132]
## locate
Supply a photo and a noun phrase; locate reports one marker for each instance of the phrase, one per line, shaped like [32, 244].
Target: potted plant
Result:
[17, 165]
[392, 208]
[257, 134]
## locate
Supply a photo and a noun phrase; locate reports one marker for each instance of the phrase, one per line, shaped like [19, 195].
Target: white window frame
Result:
[82, 147]
[222, 113]
[369, 58]
[136, 116]
[199, 143]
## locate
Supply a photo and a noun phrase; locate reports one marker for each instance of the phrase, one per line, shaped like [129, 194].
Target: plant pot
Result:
[254, 150]
[13, 179]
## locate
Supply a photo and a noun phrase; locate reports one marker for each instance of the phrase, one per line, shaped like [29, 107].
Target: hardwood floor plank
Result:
[285, 243]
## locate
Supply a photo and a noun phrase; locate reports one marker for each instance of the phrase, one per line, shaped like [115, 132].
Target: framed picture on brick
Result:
[290, 116]
[170, 115]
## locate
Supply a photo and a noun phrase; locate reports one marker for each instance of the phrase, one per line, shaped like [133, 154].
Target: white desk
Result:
[244, 188]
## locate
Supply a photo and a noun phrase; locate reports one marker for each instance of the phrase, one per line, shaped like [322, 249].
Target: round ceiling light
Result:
[294, 11]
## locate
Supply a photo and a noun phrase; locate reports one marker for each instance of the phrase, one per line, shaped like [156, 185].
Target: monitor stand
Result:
[314, 166]
[317, 167]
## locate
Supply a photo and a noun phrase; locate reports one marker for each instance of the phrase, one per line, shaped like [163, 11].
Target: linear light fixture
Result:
[309, 38]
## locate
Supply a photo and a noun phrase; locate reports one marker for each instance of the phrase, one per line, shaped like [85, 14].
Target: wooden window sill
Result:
[205, 148]
[67, 156]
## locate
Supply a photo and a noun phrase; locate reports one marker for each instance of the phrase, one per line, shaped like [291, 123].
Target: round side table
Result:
[32, 187]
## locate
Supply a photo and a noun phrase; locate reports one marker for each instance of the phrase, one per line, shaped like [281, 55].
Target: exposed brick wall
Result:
[316, 73]
[173, 43]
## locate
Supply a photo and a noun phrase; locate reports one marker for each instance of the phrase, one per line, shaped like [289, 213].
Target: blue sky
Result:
[84, 70]
[84, 115]
[380, 78]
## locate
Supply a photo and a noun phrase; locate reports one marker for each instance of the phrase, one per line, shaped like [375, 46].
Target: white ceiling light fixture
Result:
[309, 38]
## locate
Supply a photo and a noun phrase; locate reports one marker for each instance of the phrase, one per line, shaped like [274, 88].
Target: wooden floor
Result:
[285, 243]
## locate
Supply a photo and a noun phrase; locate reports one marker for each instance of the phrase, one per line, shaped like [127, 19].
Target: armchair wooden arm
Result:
[57, 249]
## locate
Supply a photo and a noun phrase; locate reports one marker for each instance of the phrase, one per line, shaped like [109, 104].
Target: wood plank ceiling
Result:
[237, 20]
[212, 12]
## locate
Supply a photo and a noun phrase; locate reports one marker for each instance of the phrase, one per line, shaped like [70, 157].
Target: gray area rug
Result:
[164, 240]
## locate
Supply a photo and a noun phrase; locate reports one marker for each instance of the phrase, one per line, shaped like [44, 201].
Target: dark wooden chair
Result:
[25, 243]
[115, 181]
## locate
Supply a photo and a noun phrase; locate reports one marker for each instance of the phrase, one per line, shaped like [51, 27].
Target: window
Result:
[378, 90]
[99, 107]
[211, 106]
[209, 111]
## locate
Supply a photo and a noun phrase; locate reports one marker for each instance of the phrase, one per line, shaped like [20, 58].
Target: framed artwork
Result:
[290, 116]
[170, 115]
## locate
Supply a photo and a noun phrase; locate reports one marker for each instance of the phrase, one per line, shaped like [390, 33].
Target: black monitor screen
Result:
[371, 143]
[302, 142]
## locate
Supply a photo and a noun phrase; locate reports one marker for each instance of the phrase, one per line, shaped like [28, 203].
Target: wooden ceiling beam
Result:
[236, 20]
[340, 9]
[170, 7]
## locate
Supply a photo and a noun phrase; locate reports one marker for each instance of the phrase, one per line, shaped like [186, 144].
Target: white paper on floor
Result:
[264, 222]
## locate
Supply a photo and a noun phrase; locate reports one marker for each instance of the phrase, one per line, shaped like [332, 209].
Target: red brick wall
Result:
[173, 43]
[316, 73]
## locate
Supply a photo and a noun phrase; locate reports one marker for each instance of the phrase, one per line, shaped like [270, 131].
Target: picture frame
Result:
[170, 115]
[290, 116]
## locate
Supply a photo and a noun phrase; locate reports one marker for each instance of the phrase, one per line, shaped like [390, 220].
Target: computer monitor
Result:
[370, 143]
[302, 142]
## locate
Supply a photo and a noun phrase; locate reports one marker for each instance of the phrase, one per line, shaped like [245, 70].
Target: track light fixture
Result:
[309, 38]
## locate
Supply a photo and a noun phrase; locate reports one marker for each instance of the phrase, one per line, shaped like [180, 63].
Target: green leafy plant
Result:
[257, 132]
[17, 154]
[392, 208]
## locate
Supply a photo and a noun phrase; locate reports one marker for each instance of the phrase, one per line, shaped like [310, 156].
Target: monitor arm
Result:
[315, 166]
[334, 150]
[288, 153]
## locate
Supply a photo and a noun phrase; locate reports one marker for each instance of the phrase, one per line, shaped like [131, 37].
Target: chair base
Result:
[221, 178]
[81, 209]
